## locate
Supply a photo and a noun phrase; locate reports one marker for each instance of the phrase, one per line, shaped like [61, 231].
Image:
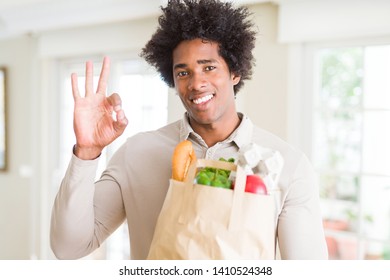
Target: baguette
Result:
[183, 156]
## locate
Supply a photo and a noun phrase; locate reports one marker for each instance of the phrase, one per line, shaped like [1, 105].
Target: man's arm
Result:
[300, 230]
[84, 213]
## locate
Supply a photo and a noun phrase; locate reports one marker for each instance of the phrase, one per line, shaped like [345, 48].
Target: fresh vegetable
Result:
[254, 184]
[215, 177]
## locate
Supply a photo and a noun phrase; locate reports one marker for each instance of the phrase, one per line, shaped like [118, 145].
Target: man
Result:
[204, 50]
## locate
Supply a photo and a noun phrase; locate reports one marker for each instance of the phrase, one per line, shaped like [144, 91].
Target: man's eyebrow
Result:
[180, 65]
[206, 61]
[200, 61]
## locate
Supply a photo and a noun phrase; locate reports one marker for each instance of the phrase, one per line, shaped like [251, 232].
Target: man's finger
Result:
[102, 85]
[88, 78]
[75, 86]
[115, 101]
[121, 122]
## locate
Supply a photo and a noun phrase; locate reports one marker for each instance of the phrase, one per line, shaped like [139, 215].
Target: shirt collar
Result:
[241, 136]
[185, 128]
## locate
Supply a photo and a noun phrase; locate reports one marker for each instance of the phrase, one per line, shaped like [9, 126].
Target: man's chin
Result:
[201, 120]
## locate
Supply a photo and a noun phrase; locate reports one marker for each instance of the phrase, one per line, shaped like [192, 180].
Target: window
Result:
[351, 150]
[144, 100]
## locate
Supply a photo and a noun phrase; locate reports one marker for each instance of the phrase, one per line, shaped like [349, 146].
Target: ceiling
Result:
[19, 17]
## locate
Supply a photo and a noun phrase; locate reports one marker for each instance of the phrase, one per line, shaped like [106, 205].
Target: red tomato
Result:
[254, 184]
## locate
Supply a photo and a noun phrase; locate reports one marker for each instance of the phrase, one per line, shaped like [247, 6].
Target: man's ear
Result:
[236, 79]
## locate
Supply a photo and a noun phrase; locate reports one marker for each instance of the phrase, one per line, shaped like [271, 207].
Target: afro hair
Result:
[210, 20]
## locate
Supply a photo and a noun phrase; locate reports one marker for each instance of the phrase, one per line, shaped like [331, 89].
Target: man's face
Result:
[204, 82]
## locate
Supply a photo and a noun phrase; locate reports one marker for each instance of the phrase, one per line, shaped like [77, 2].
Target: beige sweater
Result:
[134, 185]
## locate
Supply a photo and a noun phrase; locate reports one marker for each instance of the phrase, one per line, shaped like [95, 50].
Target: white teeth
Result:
[203, 99]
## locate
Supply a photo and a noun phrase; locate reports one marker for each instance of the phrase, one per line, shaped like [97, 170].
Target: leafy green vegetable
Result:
[214, 176]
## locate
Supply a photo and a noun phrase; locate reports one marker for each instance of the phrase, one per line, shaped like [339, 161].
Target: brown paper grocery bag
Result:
[203, 222]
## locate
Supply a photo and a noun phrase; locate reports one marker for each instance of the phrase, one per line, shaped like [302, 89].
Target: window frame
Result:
[301, 104]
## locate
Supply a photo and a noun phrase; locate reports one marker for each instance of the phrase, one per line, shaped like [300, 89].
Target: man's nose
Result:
[197, 81]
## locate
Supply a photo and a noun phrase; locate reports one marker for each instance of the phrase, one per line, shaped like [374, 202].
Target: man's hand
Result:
[94, 124]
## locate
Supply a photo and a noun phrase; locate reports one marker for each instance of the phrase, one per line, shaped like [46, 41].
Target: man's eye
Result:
[209, 68]
[182, 74]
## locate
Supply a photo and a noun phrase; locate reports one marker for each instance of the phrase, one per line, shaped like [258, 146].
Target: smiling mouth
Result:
[203, 99]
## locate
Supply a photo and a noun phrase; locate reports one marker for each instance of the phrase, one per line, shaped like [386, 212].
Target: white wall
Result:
[25, 202]
[264, 97]
[16, 185]
[319, 20]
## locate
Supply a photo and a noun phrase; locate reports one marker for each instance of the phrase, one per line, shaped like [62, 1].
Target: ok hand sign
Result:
[94, 124]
